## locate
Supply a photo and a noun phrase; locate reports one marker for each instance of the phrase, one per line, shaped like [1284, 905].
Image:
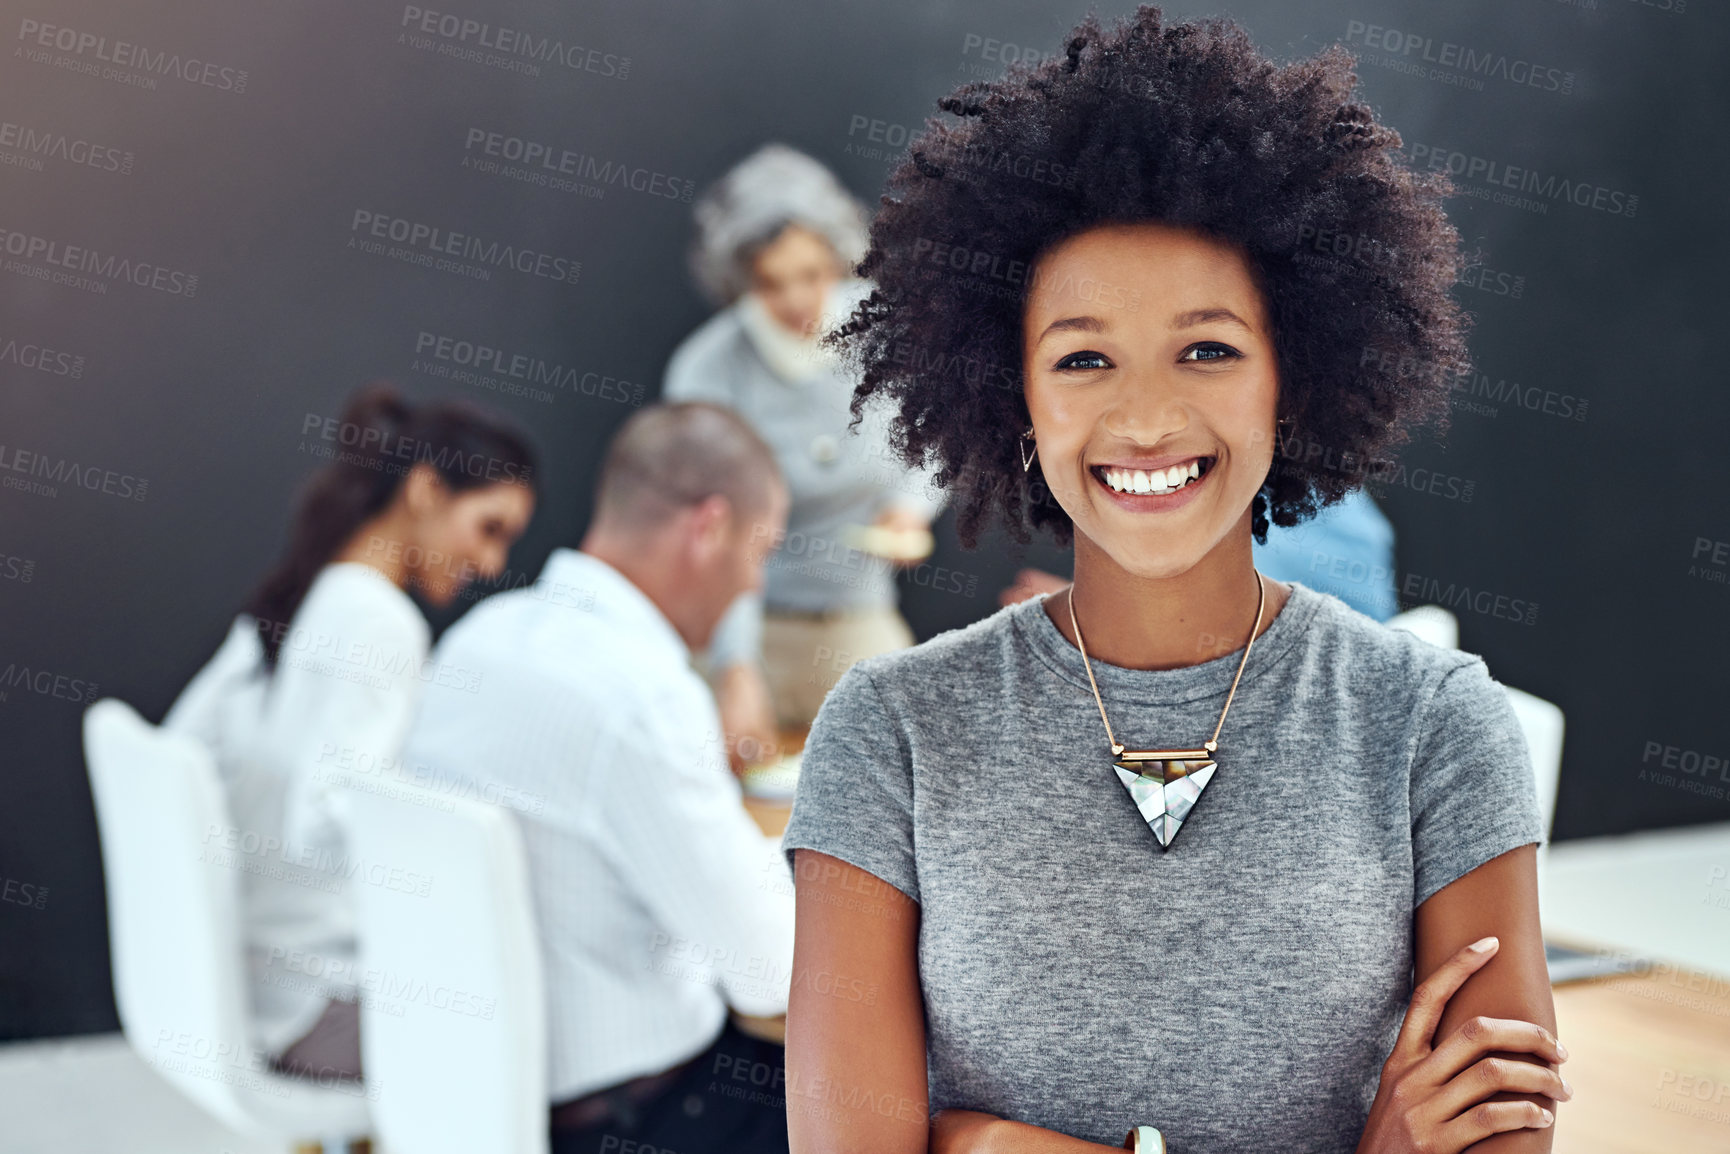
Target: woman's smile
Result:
[1156, 486]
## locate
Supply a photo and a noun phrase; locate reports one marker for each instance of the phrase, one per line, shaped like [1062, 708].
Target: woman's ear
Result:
[424, 492]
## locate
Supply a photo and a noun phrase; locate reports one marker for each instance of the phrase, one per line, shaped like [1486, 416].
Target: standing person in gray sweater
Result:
[777, 238]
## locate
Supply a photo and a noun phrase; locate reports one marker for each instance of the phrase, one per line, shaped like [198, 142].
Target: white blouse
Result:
[349, 673]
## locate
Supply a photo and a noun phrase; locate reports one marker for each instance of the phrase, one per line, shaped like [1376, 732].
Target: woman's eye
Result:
[1083, 361]
[1209, 351]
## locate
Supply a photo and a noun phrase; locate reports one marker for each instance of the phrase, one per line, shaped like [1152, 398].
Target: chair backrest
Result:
[453, 1017]
[173, 906]
[1430, 622]
[1542, 723]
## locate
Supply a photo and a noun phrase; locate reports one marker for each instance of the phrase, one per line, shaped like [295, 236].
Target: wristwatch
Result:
[1144, 1140]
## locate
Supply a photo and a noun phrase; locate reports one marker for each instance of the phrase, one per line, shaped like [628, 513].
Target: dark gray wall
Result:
[183, 411]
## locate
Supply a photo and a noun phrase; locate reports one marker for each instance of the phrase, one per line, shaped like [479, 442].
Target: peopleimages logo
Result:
[30, 355]
[565, 169]
[56, 471]
[45, 683]
[373, 448]
[477, 41]
[1492, 175]
[1495, 282]
[441, 248]
[24, 146]
[87, 268]
[1455, 63]
[484, 360]
[127, 61]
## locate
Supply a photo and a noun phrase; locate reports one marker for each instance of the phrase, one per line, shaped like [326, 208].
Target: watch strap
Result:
[1144, 1140]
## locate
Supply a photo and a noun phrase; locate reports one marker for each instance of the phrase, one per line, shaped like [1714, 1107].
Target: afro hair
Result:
[1191, 126]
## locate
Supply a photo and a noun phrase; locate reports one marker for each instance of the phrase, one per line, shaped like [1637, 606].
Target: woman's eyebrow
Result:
[1203, 316]
[1082, 324]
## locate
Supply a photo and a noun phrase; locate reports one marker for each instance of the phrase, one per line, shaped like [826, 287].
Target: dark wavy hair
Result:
[1187, 125]
[380, 437]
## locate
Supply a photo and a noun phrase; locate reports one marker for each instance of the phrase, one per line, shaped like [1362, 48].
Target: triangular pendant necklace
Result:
[1165, 784]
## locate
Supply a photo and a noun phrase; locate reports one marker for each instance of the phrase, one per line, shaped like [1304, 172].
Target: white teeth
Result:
[1156, 481]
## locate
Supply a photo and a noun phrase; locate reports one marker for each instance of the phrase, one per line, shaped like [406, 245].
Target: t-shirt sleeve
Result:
[855, 795]
[1472, 793]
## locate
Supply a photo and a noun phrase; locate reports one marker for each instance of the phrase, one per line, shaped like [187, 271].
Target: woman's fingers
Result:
[1440, 1091]
[1432, 994]
[1489, 1118]
[1476, 1037]
[1494, 1076]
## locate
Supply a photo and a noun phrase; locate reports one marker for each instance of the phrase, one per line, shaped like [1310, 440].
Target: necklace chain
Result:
[1212, 742]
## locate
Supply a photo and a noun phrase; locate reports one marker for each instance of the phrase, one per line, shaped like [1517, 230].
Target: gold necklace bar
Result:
[1163, 754]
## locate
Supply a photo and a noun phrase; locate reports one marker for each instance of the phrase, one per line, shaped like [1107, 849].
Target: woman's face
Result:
[1147, 352]
[792, 275]
[466, 535]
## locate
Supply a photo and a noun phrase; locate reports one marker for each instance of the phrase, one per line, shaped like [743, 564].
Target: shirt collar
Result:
[582, 575]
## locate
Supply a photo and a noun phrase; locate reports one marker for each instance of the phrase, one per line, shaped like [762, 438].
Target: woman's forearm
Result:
[973, 1132]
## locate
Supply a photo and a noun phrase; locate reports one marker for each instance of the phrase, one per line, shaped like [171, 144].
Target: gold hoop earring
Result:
[1026, 457]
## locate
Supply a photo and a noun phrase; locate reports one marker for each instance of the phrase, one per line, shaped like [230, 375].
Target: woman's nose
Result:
[1145, 406]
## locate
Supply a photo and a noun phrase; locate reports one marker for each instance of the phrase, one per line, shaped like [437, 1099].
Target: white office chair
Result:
[1540, 721]
[1543, 724]
[453, 1016]
[1430, 622]
[174, 935]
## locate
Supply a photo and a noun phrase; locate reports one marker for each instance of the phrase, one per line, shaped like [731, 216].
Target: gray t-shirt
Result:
[1239, 990]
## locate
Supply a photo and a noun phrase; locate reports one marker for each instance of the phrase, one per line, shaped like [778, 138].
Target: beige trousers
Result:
[803, 657]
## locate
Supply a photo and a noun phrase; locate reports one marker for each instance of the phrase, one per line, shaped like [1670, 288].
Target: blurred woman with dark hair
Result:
[319, 677]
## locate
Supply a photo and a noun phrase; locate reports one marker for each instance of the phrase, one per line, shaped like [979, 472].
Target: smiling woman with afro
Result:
[1186, 124]
[1178, 851]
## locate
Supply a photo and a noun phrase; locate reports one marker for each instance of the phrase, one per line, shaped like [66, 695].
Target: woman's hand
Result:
[1434, 1099]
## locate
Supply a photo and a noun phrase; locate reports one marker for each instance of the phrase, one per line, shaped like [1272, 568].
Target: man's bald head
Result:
[668, 457]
